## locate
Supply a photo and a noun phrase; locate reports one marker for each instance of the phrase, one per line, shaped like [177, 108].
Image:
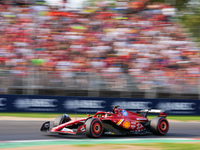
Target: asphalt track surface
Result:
[30, 130]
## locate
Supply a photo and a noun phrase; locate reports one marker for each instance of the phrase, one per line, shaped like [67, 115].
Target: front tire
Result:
[159, 126]
[61, 119]
[94, 128]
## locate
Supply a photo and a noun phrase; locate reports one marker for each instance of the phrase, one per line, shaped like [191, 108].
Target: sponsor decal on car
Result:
[141, 119]
[67, 130]
[133, 126]
[109, 133]
[82, 129]
[126, 124]
[124, 113]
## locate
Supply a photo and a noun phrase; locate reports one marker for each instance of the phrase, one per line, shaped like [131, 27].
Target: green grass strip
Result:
[54, 115]
[172, 146]
[94, 141]
[39, 115]
[181, 118]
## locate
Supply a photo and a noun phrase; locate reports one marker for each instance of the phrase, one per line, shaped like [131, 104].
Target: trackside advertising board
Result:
[90, 105]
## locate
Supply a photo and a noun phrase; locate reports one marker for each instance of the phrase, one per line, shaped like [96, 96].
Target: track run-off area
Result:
[29, 143]
[27, 133]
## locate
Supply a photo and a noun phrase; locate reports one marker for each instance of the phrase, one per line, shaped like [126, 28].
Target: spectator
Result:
[145, 45]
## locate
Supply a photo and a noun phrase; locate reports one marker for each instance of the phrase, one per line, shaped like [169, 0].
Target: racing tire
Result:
[94, 127]
[61, 119]
[159, 126]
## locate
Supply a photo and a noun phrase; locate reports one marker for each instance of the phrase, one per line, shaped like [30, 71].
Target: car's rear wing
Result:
[145, 112]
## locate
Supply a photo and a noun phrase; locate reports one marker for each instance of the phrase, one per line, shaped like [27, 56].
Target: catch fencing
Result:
[30, 82]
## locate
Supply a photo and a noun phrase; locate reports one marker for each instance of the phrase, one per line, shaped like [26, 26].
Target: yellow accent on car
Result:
[120, 121]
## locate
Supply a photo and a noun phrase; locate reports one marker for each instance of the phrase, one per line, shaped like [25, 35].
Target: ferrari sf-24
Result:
[117, 122]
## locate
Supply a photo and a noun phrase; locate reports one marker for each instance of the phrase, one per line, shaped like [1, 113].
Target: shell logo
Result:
[126, 124]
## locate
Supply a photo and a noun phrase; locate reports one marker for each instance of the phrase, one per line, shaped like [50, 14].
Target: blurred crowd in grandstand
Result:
[138, 40]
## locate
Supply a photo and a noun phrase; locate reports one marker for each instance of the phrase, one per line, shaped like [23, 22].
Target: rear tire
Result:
[61, 119]
[94, 128]
[159, 126]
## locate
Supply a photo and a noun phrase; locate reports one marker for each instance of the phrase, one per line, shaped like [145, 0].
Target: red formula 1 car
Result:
[117, 122]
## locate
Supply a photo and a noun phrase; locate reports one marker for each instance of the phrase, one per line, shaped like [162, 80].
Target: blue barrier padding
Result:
[84, 105]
